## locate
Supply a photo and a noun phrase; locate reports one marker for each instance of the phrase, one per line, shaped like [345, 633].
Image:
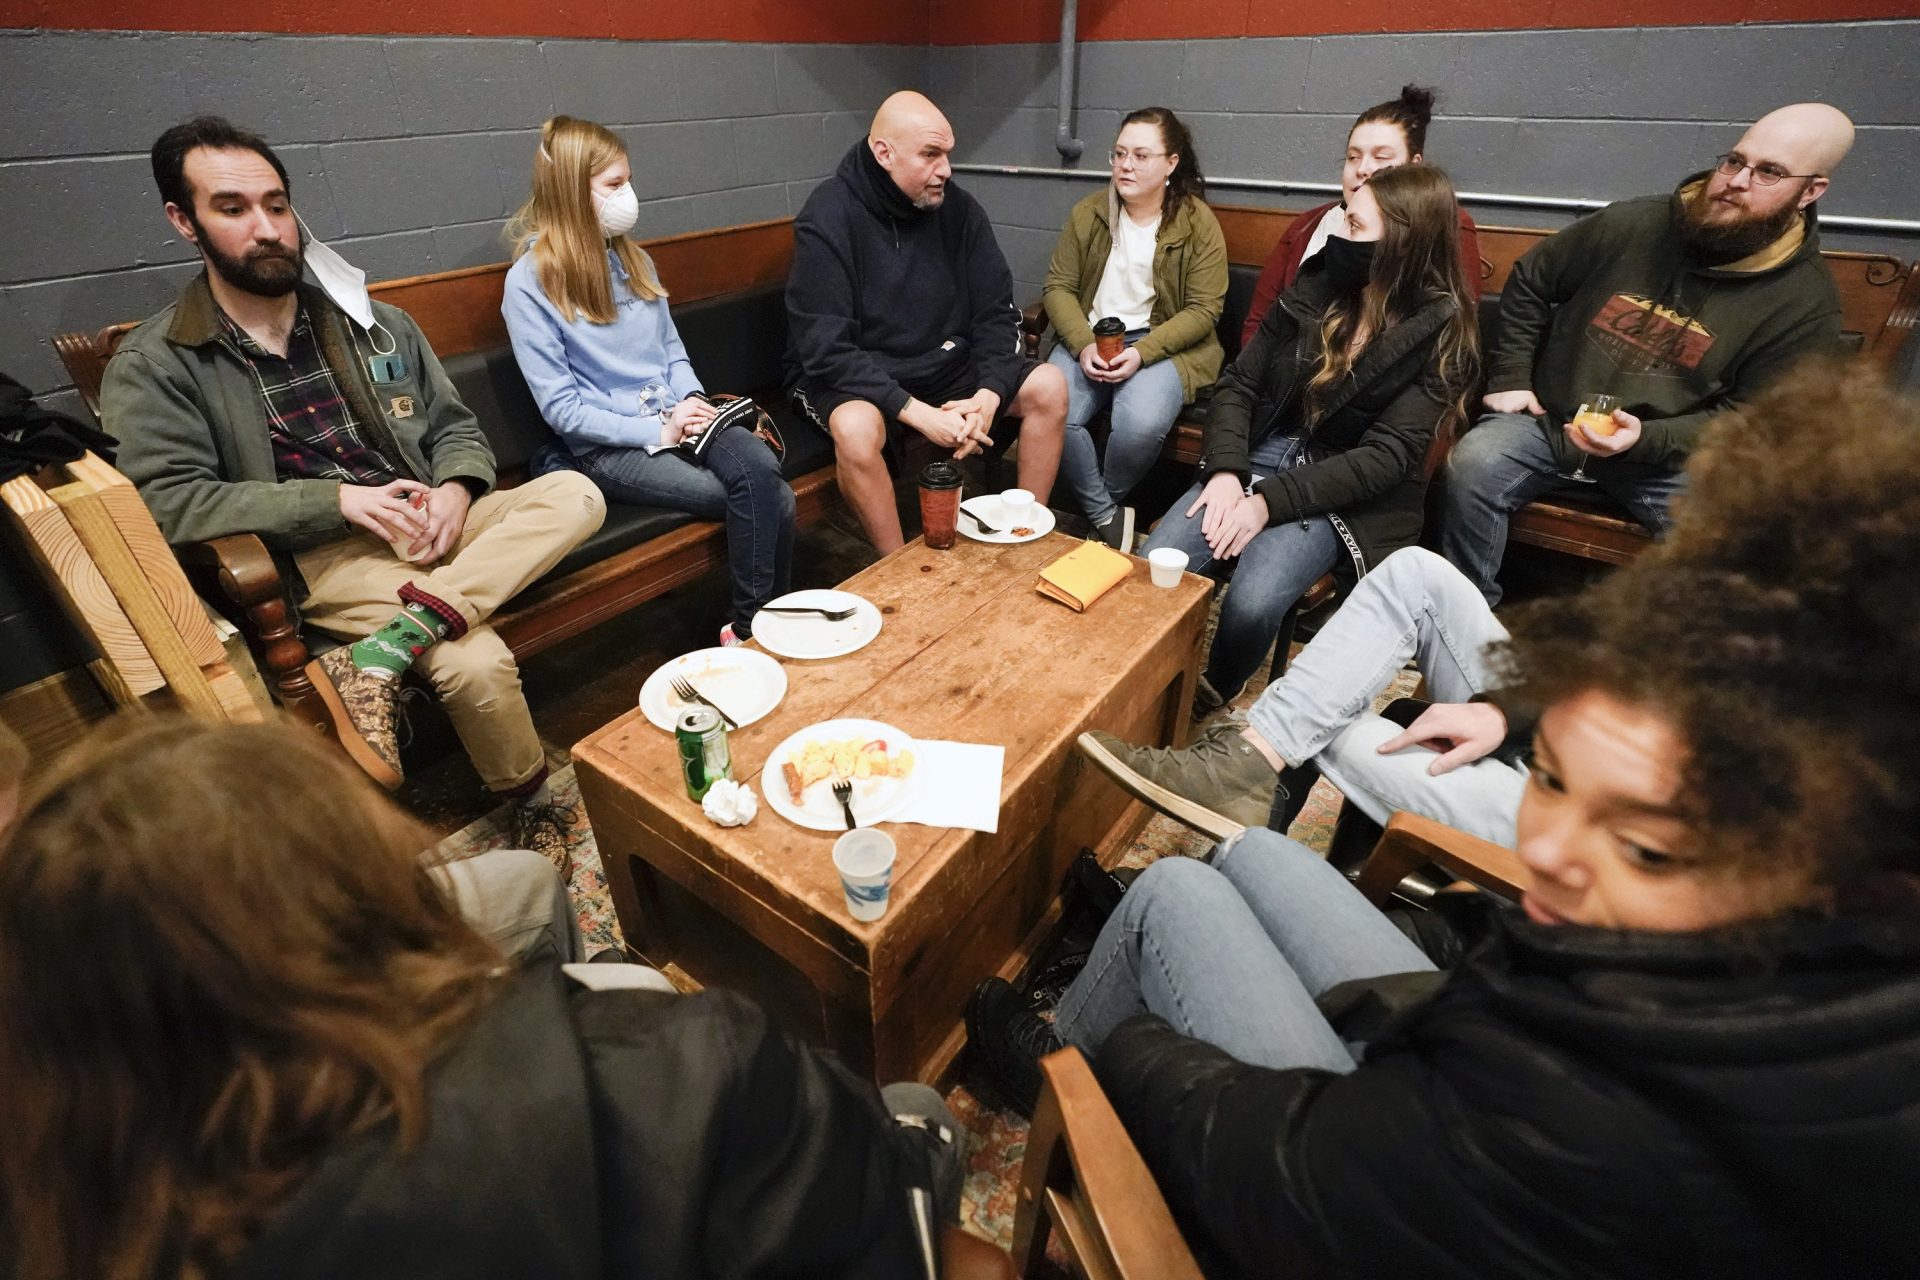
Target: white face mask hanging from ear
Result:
[618, 212]
[346, 284]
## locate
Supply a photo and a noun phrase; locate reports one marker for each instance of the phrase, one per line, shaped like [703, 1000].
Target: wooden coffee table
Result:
[970, 652]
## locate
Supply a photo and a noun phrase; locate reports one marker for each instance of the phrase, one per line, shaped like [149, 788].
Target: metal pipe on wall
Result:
[1510, 200]
[1064, 142]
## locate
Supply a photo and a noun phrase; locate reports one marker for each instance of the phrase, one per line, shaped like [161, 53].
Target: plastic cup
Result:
[864, 859]
[1165, 565]
[1016, 506]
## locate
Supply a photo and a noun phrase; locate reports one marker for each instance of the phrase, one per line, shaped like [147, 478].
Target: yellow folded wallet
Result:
[1083, 575]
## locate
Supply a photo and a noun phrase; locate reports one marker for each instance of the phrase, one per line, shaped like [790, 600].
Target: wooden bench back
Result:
[459, 311]
[1879, 294]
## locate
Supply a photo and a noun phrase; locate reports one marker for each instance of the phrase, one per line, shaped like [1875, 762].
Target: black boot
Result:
[1008, 1039]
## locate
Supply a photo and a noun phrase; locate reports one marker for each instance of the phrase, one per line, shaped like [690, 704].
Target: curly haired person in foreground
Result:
[1690, 1053]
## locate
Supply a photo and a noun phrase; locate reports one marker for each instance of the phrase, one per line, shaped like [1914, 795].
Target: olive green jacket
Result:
[1189, 286]
[193, 429]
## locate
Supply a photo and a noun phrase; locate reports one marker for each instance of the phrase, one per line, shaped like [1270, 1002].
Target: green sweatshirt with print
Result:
[1618, 304]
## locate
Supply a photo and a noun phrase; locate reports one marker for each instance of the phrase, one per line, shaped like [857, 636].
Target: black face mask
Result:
[1348, 262]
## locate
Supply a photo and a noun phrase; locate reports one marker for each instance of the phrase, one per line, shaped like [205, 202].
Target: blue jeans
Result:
[1275, 570]
[1140, 412]
[1235, 953]
[1506, 462]
[1413, 605]
[740, 483]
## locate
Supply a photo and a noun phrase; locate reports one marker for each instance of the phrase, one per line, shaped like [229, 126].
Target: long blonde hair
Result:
[1417, 259]
[220, 955]
[559, 226]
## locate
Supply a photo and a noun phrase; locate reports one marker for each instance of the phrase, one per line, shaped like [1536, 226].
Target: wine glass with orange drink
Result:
[1595, 415]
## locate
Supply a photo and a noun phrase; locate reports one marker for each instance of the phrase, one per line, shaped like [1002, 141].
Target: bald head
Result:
[1807, 137]
[911, 140]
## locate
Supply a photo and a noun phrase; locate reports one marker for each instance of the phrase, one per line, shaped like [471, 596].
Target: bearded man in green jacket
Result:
[1675, 306]
[257, 404]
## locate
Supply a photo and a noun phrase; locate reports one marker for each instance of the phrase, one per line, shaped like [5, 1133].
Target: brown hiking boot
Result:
[365, 709]
[547, 829]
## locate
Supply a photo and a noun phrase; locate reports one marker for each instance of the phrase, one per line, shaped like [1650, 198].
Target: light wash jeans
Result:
[1413, 605]
[1234, 953]
[517, 901]
[739, 483]
[1274, 571]
[1140, 412]
[1505, 462]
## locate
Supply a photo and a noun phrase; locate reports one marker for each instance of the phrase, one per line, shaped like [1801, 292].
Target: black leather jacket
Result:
[581, 1134]
[1572, 1102]
[1364, 463]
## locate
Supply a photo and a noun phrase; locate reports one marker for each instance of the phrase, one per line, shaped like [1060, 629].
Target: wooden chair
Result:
[1084, 1177]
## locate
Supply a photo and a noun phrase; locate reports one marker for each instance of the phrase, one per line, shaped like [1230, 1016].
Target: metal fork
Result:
[684, 690]
[983, 525]
[843, 792]
[831, 615]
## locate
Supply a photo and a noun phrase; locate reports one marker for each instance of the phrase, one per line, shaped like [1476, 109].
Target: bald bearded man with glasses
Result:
[1676, 306]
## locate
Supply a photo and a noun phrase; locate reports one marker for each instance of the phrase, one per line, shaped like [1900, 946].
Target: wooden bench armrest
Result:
[1113, 1205]
[1411, 841]
[240, 573]
[243, 567]
[1033, 323]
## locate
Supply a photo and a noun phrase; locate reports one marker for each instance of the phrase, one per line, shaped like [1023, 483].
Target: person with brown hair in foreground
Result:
[241, 1042]
[1691, 1052]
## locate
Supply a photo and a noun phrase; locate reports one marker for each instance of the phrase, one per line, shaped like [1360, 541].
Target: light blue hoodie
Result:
[597, 384]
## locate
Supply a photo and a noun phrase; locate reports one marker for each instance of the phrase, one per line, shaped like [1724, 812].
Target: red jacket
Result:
[1284, 263]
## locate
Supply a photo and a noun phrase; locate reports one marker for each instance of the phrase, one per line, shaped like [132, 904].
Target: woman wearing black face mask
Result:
[1317, 448]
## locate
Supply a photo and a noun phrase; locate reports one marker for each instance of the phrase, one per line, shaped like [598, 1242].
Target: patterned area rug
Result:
[998, 1138]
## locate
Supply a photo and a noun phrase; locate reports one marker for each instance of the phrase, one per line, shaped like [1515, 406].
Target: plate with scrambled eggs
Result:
[877, 758]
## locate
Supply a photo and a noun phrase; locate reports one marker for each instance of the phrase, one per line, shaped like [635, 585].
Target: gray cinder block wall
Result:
[406, 153]
[1595, 113]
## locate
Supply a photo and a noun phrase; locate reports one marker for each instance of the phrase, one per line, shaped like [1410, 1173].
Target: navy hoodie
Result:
[886, 301]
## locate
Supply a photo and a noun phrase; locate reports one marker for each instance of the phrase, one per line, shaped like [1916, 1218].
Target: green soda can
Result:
[704, 757]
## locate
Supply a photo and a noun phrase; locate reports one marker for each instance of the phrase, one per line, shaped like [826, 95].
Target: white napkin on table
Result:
[956, 784]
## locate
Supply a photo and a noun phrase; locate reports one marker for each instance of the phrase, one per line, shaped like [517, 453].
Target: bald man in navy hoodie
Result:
[900, 316]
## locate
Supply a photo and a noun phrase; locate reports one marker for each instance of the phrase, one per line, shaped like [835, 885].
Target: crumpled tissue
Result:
[730, 804]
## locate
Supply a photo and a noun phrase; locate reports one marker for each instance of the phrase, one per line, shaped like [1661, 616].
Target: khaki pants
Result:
[512, 536]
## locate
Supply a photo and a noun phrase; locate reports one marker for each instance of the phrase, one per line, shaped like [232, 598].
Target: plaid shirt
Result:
[315, 435]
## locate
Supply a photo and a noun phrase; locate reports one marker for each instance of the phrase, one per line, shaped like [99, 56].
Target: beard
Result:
[267, 271]
[927, 201]
[1730, 239]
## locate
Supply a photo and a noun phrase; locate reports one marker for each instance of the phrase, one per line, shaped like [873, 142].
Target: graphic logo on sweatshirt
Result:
[1641, 336]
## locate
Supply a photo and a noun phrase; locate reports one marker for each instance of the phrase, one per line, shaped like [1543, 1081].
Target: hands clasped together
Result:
[959, 425]
[430, 518]
[1232, 515]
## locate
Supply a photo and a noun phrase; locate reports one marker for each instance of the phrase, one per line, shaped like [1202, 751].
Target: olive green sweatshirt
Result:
[1618, 304]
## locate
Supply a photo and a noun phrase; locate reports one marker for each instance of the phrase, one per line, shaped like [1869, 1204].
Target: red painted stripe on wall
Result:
[940, 22]
[773, 21]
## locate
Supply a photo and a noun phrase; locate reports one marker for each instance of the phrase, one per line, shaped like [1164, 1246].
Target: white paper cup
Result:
[864, 859]
[1166, 564]
[1017, 506]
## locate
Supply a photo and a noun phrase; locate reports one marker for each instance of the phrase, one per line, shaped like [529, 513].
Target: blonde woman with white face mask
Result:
[597, 345]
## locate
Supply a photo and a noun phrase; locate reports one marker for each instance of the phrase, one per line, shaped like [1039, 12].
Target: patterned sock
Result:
[391, 650]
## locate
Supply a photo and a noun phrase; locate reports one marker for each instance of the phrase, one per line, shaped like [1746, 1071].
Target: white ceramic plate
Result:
[987, 507]
[874, 799]
[745, 681]
[806, 635]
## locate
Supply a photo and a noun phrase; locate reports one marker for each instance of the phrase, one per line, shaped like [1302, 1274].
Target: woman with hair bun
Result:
[1148, 253]
[1386, 134]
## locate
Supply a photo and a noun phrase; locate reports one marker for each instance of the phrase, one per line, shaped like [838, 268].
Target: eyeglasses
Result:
[1120, 155]
[1764, 175]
